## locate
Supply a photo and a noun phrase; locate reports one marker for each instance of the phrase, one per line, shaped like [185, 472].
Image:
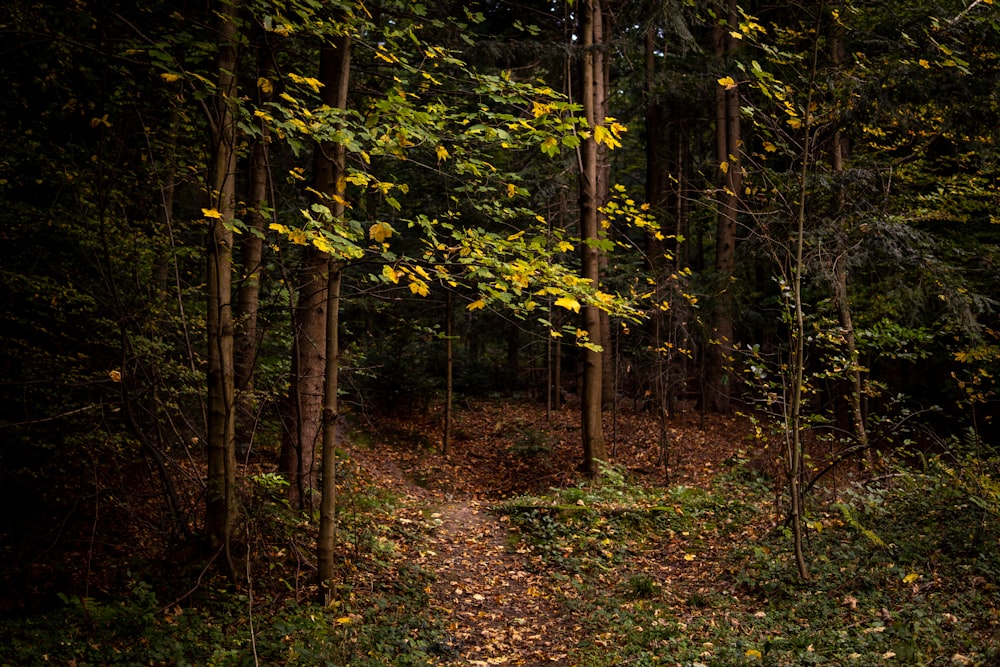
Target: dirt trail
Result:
[499, 603]
[498, 608]
[500, 612]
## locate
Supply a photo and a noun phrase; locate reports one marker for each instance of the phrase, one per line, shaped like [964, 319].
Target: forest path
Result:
[497, 606]
[500, 609]
[499, 601]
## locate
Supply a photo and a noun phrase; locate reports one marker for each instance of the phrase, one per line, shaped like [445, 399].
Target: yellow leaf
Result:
[569, 303]
[724, 167]
[769, 147]
[442, 153]
[476, 305]
[910, 578]
[170, 77]
[323, 245]
[265, 85]
[211, 213]
[379, 232]
[539, 110]
[390, 273]
[343, 620]
[418, 286]
[511, 189]
[315, 84]
[753, 653]
[116, 376]
[728, 82]
[604, 136]
[689, 556]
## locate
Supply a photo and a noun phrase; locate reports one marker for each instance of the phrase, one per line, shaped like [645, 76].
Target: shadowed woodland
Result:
[604, 332]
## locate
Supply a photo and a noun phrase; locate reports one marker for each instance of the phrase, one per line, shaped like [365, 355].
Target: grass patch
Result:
[902, 575]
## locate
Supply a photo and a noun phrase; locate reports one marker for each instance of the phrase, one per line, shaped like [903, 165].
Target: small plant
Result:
[641, 587]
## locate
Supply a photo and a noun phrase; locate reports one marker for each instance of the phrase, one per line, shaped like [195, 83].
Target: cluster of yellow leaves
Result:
[417, 275]
[610, 134]
[314, 84]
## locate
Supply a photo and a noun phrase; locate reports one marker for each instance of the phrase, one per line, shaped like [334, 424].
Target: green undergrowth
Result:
[378, 616]
[903, 572]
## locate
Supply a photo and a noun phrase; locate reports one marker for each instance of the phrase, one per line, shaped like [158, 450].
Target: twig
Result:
[253, 633]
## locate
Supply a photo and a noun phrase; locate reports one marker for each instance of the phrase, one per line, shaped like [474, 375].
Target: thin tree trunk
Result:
[335, 69]
[327, 540]
[252, 252]
[298, 453]
[221, 445]
[602, 83]
[594, 446]
[728, 137]
[839, 154]
[796, 453]
[449, 389]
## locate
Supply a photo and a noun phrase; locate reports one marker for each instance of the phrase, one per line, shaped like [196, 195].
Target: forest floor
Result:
[503, 553]
[499, 602]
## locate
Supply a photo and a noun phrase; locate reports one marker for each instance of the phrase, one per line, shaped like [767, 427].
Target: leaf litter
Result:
[498, 598]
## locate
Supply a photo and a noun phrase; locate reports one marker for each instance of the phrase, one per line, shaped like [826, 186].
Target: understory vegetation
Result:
[904, 559]
[904, 573]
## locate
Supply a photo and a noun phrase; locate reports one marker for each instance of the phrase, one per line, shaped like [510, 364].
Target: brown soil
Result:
[503, 606]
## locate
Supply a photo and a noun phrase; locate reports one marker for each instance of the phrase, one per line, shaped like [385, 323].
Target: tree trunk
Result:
[305, 406]
[298, 457]
[327, 541]
[602, 83]
[252, 252]
[335, 70]
[839, 153]
[794, 420]
[718, 353]
[449, 374]
[221, 445]
[594, 446]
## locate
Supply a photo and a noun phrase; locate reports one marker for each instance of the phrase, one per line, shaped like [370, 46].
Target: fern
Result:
[851, 519]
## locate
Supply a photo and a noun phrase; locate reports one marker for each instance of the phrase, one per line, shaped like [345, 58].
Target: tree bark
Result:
[449, 389]
[309, 362]
[838, 155]
[594, 445]
[335, 69]
[305, 405]
[602, 83]
[717, 390]
[221, 445]
[251, 256]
